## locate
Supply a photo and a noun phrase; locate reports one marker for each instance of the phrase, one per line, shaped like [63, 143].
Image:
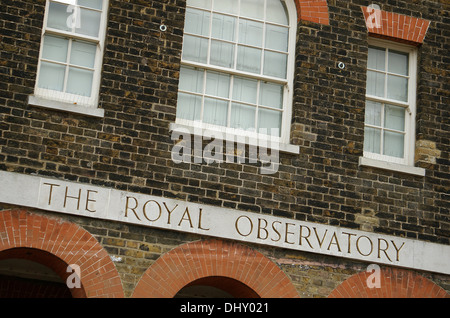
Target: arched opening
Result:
[393, 283]
[57, 244]
[34, 273]
[214, 266]
[216, 287]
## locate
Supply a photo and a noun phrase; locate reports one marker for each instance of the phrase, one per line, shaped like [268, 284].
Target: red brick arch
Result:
[214, 259]
[57, 243]
[394, 283]
[313, 10]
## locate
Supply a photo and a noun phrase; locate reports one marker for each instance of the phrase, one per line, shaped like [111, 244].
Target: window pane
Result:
[191, 80]
[275, 64]
[89, 22]
[377, 59]
[372, 140]
[249, 59]
[80, 82]
[218, 84]
[398, 62]
[228, 6]
[373, 113]
[394, 117]
[250, 32]
[277, 12]
[245, 90]
[223, 27]
[271, 95]
[189, 107]
[252, 9]
[215, 112]
[58, 17]
[269, 122]
[83, 54]
[397, 88]
[375, 83]
[197, 22]
[394, 144]
[51, 76]
[94, 4]
[55, 48]
[222, 54]
[242, 116]
[277, 38]
[200, 3]
[195, 49]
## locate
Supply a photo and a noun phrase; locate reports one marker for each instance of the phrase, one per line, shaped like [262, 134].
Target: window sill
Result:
[282, 147]
[367, 162]
[66, 107]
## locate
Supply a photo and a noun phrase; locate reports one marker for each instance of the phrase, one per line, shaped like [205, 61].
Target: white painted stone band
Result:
[109, 204]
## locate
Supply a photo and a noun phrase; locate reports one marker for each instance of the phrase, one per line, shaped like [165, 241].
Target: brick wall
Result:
[129, 148]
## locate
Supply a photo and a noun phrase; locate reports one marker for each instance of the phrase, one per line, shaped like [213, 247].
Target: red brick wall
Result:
[393, 283]
[193, 261]
[313, 10]
[395, 26]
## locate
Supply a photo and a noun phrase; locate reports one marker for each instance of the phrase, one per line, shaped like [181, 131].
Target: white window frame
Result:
[66, 101]
[283, 142]
[405, 164]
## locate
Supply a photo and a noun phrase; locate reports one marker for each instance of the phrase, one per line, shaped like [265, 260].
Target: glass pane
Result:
[218, 84]
[394, 117]
[372, 140]
[94, 4]
[249, 59]
[229, 6]
[83, 54]
[373, 113]
[269, 122]
[89, 22]
[191, 80]
[397, 88]
[197, 22]
[58, 17]
[222, 54]
[55, 48]
[277, 38]
[243, 116]
[245, 90]
[271, 95]
[215, 112]
[80, 82]
[277, 12]
[375, 83]
[377, 59]
[200, 3]
[223, 27]
[51, 76]
[394, 144]
[195, 49]
[398, 62]
[189, 107]
[275, 64]
[250, 32]
[252, 9]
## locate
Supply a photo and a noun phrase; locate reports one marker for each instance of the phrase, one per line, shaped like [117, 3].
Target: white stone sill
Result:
[367, 162]
[282, 147]
[66, 107]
